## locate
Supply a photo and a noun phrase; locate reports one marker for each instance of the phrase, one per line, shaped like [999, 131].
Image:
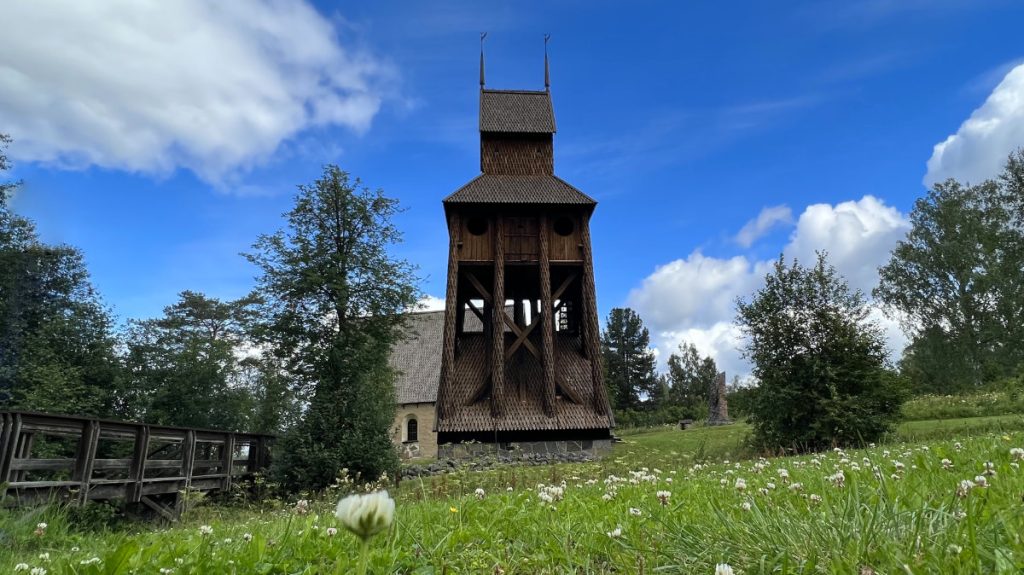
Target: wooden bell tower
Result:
[521, 353]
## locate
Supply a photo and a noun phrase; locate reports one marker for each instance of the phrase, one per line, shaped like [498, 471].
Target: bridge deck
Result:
[93, 459]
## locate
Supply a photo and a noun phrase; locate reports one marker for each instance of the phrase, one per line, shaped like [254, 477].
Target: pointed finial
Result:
[547, 69]
[482, 36]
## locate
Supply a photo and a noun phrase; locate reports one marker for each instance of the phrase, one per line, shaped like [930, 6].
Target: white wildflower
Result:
[332, 531]
[205, 530]
[723, 569]
[37, 571]
[981, 481]
[21, 567]
[746, 506]
[964, 488]
[479, 493]
[741, 484]
[1017, 453]
[366, 515]
[615, 533]
[247, 537]
[663, 497]
[634, 511]
[815, 499]
[947, 464]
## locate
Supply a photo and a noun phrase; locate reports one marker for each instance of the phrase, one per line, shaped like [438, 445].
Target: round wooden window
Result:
[564, 226]
[477, 226]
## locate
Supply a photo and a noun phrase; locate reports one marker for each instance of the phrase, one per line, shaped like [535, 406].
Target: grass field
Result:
[894, 508]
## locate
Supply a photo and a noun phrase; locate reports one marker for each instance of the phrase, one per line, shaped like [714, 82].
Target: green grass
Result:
[904, 518]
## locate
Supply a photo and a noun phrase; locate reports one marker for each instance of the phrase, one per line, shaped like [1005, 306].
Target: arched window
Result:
[411, 433]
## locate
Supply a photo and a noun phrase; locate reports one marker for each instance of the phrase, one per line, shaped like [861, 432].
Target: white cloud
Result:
[768, 219]
[693, 299]
[978, 150]
[150, 86]
[858, 237]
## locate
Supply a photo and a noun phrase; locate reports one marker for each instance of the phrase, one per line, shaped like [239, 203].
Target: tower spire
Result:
[547, 69]
[482, 36]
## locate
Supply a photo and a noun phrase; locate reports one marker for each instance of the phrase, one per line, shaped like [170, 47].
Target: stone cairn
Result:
[718, 407]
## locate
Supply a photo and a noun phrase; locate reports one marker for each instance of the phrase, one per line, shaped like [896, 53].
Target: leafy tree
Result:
[821, 364]
[691, 377]
[956, 283]
[334, 299]
[186, 366]
[56, 338]
[629, 363]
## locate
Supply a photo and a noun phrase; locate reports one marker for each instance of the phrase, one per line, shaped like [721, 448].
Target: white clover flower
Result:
[723, 482]
[479, 493]
[509, 489]
[607, 496]
[960, 515]
[954, 549]
[74, 549]
[21, 567]
[981, 481]
[663, 497]
[668, 480]
[783, 473]
[947, 464]
[990, 468]
[615, 533]
[205, 530]
[366, 515]
[796, 486]
[635, 512]
[166, 571]
[723, 569]
[958, 446]
[332, 531]
[769, 485]
[746, 506]
[90, 561]
[1017, 453]
[741, 484]
[44, 556]
[247, 537]
[838, 479]
[229, 541]
[964, 488]
[815, 499]
[545, 497]
[37, 571]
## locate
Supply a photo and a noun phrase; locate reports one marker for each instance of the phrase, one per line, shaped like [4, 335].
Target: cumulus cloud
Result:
[768, 219]
[858, 237]
[693, 299]
[149, 86]
[978, 150]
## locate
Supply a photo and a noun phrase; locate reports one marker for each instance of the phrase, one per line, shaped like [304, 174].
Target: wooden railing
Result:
[82, 458]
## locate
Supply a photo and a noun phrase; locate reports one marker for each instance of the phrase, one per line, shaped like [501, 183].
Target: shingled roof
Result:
[417, 358]
[515, 189]
[516, 111]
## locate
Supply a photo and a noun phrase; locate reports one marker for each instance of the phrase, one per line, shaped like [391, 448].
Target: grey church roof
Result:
[417, 358]
[517, 189]
[516, 111]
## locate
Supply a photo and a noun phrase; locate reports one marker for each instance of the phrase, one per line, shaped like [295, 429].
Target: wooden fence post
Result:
[138, 470]
[85, 458]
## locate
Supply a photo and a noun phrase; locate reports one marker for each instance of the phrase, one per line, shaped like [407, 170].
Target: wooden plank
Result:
[41, 465]
[163, 464]
[164, 511]
[140, 454]
[104, 464]
[23, 451]
[38, 484]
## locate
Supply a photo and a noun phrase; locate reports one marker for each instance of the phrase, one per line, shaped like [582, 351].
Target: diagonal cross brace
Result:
[486, 295]
[521, 340]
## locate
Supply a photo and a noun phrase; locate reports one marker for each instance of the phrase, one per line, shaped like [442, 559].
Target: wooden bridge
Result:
[81, 459]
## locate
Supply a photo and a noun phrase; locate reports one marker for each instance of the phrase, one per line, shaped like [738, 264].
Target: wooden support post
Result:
[591, 331]
[445, 399]
[498, 321]
[23, 451]
[547, 334]
[229, 460]
[86, 457]
[137, 473]
[188, 455]
[8, 441]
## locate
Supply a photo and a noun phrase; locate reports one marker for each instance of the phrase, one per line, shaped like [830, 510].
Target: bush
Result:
[822, 366]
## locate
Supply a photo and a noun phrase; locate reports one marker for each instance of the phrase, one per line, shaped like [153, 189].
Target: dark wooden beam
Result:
[591, 331]
[547, 327]
[498, 325]
[444, 403]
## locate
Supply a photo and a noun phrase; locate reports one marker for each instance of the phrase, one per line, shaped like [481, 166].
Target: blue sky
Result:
[162, 138]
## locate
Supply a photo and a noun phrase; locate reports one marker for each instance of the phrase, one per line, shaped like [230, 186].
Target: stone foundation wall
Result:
[511, 451]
